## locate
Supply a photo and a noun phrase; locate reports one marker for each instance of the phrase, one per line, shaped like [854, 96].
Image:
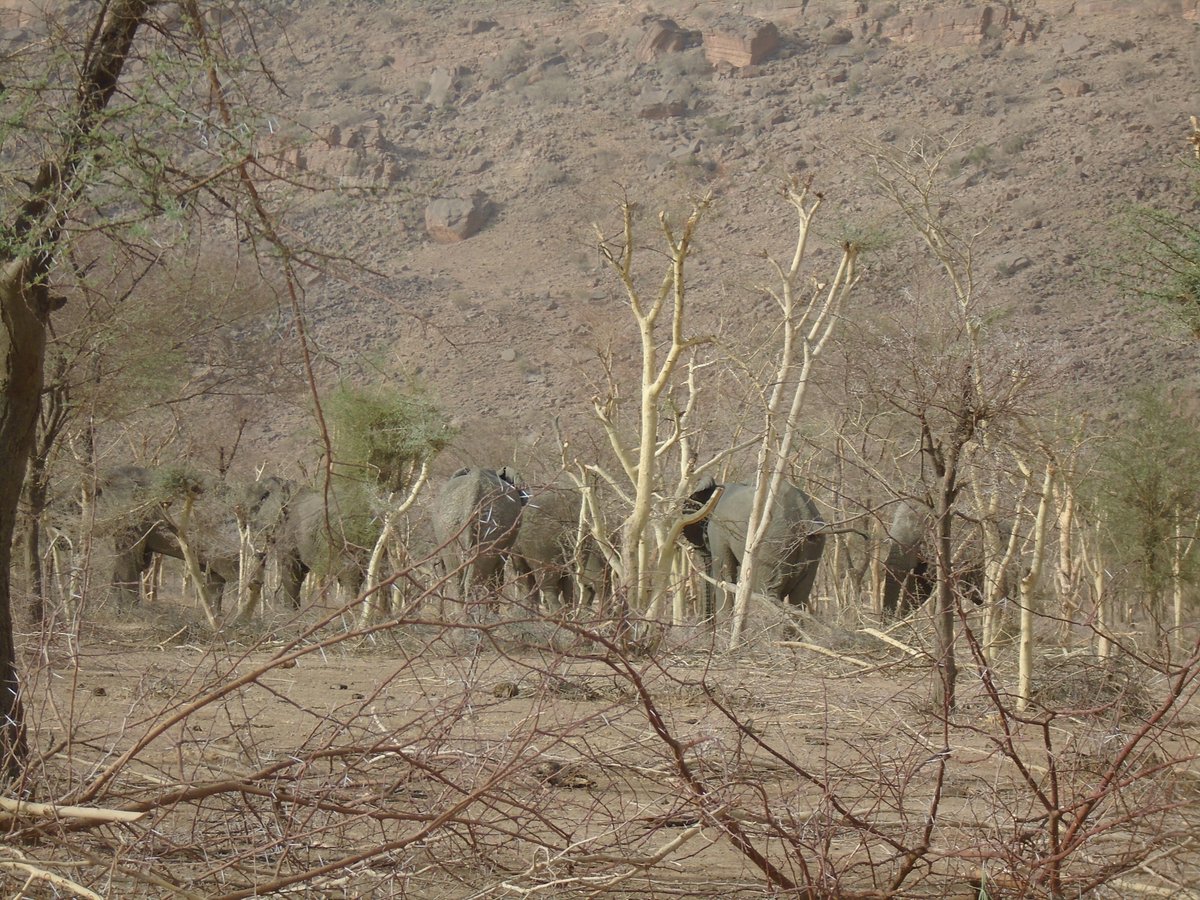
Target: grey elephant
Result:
[549, 556]
[791, 551]
[476, 518]
[307, 531]
[134, 504]
[910, 559]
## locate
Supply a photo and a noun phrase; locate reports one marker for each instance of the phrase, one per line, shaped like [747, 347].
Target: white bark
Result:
[807, 327]
[374, 604]
[1029, 584]
[193, 562]
[641, 560]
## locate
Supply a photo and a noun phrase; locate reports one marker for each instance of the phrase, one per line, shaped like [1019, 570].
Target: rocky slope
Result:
[466, 148]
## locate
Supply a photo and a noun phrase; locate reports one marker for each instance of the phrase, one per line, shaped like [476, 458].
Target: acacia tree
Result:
[963, 383]
[113, 129]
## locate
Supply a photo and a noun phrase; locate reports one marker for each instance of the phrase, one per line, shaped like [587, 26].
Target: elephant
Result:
[476, 517]
[789, 556]
[549, 557]
[132, 503]
[308, 532]
[910, 561]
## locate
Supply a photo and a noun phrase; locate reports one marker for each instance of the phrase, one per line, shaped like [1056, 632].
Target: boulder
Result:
[740, 41]
[948, 27]
[452, 219]
[661, 36]
[658, 104]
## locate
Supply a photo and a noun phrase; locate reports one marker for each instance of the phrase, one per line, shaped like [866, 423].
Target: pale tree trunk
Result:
[639, 560]
[945, 603]
[192, 561]
[807, 327]
[373, 606]
[1068, 571]
[1093, 562]
[1180, 548]
[1029, 584]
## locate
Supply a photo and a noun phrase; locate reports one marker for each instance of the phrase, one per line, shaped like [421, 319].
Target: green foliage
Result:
[1147, 483]
[1161, 262]
[386, 433]
[354, 507]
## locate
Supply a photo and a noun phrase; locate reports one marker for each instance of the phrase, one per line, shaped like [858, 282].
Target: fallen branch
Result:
[816, 648]
[58, 881]
[16, 808]
[888, 639]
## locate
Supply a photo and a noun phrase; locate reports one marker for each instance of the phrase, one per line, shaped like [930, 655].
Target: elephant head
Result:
[550, 557]
[476, 517]
[134, 504]
[789, 555]
[307, 531]
[910, 560]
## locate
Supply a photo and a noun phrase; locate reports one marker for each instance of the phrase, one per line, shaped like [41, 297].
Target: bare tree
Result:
[807, 321]
[644, 565]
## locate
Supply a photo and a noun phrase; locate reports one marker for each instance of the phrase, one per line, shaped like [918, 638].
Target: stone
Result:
[662, 36]
[1074, 43]
[449, 220]
[441, 83]
[948, 27]
[1074, 87]
[834, 35]
[657, 104]
[740, 41]
[481, 26]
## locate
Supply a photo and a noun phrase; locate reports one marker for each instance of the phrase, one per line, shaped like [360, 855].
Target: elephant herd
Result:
[485, 523]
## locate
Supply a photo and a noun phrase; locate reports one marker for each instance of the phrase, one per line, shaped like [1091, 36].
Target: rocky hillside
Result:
[466, 148]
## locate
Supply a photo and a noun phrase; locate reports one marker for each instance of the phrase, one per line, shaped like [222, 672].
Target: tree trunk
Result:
[35, 578]
[945, 604]
[32, 240]
[1029, 584]
[22, 349]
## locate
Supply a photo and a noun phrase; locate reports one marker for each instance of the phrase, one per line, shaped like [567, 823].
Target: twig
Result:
[804, 645]
[58, 881]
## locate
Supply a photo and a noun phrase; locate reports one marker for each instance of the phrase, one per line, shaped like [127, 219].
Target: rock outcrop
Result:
[740, 41]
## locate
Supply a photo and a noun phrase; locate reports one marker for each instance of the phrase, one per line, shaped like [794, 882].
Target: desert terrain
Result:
[450, 163]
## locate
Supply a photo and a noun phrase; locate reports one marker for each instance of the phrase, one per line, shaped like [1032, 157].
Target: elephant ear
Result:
[509, 475]
[696, 532]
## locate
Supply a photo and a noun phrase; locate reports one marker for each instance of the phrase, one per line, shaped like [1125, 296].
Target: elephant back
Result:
[795, 515]
[478, 507]
[549, 524]
[911, 524]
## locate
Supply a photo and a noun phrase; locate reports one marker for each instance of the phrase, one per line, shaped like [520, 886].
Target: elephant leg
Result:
[491, 578]
[351, 582]
[526, 577]
[214, 588]
[127, 577]
[293, 572]
[726, 570]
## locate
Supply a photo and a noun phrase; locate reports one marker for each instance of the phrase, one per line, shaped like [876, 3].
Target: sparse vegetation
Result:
[397, 738]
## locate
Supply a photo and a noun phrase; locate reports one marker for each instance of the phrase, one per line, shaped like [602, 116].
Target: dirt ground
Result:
[532, 758]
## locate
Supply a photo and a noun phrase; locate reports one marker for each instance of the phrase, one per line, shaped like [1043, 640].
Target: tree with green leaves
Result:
[1146, 487]
[121, 121]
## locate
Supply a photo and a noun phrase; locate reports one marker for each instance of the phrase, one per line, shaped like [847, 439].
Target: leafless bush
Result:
[527, 754]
